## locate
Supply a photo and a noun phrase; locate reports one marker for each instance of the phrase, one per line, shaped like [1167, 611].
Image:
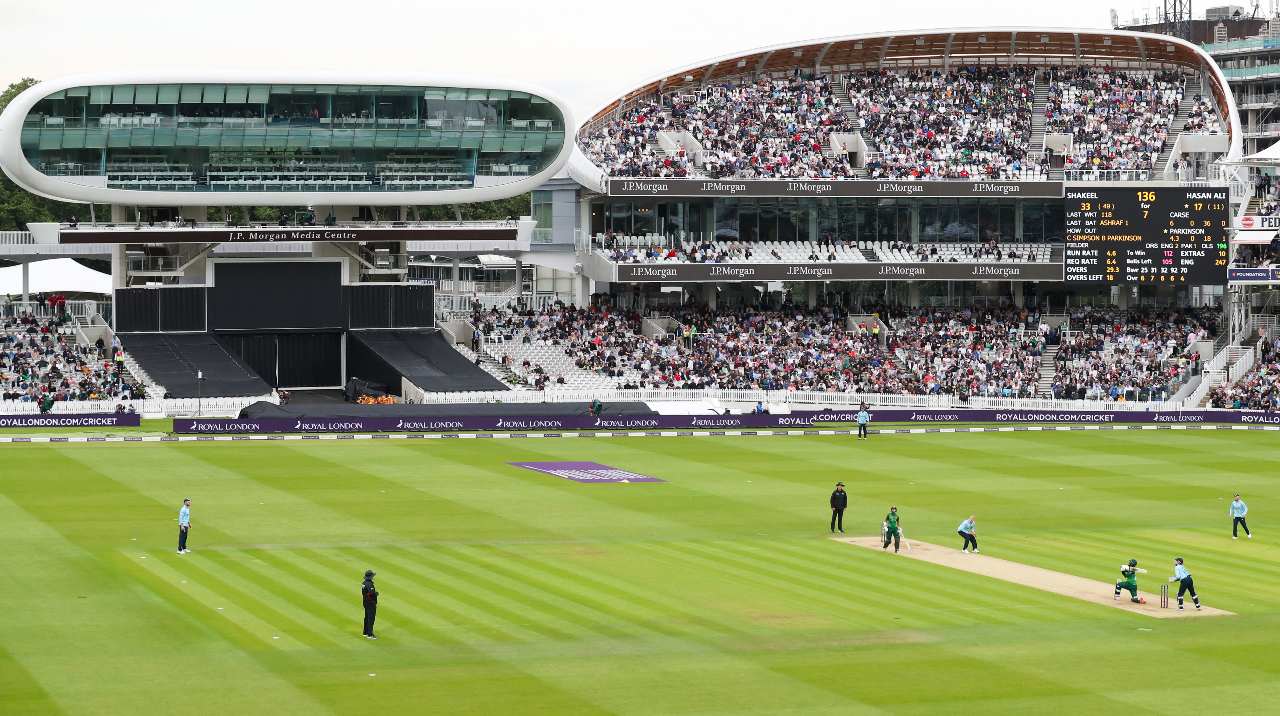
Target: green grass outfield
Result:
[510, 591]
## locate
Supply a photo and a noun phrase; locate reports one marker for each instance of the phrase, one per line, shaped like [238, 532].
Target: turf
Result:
[717, 591]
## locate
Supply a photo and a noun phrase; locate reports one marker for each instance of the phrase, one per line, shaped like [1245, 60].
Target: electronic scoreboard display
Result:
[1158, 235]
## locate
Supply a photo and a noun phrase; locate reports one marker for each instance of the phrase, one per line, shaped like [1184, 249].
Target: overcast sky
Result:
[587, 52]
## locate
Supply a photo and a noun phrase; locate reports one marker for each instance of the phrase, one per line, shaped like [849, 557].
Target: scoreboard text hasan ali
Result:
[1154, 235]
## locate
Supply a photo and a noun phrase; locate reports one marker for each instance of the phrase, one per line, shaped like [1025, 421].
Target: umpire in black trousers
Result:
[839, 501]
[369, 595]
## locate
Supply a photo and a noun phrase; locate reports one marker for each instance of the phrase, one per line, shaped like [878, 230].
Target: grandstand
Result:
[881, 217]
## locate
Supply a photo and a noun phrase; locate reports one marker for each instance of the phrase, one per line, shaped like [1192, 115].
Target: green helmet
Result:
[1133, 563]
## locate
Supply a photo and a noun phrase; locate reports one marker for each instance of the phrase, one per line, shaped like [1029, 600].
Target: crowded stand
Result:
[979, 352]
[41, 362]
[1118, 120]
[659, 249]
[624, 147]
[1259, 389]
[973, 123]
[1130, 355]
[1203, 118]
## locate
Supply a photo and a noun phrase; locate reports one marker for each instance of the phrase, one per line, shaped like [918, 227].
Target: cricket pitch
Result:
[1068, 585]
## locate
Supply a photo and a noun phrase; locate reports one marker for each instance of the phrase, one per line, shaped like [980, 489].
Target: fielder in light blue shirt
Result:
[1185, 583]
[864, 417]
[184, 525]
[1237, 511]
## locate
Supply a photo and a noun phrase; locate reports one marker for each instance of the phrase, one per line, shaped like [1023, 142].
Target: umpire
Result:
[369, 595]
[839, 501]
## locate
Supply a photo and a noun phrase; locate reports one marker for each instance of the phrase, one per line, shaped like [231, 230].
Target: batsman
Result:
[1129, 580]
[890, 530]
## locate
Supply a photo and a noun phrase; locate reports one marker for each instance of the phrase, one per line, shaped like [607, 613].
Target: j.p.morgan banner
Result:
[149, 235]
[680, 273]
[78, 420]
[805, 419]
[835, 188]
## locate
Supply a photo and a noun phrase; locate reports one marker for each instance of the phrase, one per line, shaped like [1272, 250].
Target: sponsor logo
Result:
[56, 421]
[1176, 418]
[626, 423]
[734, 271]
[902, 271]
[806, 187]
[723, 187]
[429, 425]
[935, 418]
[1266, 418]
[1001, 271]
[529, 423]
[726, 422]
[329, 426]
[224, 427]
[647, 187]
[903, 188]
[810, 271]
[1036, 417]
[652, 271]
[988, 188]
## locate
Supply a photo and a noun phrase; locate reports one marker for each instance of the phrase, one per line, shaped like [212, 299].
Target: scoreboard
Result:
[1157, 235]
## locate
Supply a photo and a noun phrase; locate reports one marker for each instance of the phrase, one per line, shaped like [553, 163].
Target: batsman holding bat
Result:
[890, 530]
[1129, 580]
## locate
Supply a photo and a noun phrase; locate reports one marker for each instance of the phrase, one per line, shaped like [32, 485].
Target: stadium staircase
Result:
[493, 367]
[1190, 91]
[1048, 370]
[1040, 100]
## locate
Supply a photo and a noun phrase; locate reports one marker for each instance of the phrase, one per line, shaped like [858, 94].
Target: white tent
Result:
[1269, 157]
[54, 275]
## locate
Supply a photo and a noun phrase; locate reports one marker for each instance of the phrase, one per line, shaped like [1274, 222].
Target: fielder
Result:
[890, 531]
[1185, 582]
[1129, 573]
[1237, 511]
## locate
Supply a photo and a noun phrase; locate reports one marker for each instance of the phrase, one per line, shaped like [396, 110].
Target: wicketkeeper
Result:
[1129, 580]
[890, 531]
[1185, 582]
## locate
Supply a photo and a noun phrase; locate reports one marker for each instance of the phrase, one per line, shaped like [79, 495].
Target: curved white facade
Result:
[501, 178]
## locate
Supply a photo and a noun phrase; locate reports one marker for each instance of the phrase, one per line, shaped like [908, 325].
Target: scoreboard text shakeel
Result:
[1160, 235]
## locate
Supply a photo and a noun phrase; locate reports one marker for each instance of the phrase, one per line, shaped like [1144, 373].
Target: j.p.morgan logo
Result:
[997, 271]
[899, 188]
[902, 270]
[646, 187]
[732, 272]
[988, 188]
[652, 271]
[815, 271]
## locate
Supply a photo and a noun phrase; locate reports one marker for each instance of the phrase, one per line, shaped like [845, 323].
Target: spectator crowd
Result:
[41, 362]
[973, 122]
[1259, 389]
[1129, 355]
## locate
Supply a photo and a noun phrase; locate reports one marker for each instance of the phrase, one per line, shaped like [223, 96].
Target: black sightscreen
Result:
[281, 294]
[413, 307]
[369, 306]
[290, 360]
[137, 310]
[181, 309]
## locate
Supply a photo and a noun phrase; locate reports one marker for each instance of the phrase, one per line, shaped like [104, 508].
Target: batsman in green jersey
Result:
[890, 531]
[1129, 581]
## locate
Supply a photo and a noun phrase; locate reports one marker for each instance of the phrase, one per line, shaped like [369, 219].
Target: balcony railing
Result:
[1106, 174]
[1244, 73]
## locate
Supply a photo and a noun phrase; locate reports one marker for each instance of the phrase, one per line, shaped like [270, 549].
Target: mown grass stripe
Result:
[549, 620]
[308, 595]
[825, 594]
[257, 597]
[662, 608]
[248, 623]
[594, 611]
[478, 604]
[422, 606]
